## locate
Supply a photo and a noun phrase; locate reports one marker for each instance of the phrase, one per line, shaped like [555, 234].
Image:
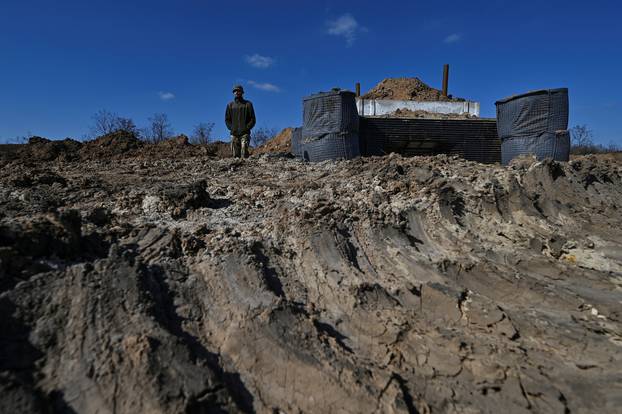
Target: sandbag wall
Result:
[534, 123]
[330, 128]
[297, 144]
[472, 139]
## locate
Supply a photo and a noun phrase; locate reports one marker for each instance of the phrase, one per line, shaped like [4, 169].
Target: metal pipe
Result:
[445, 78]
[358, 89]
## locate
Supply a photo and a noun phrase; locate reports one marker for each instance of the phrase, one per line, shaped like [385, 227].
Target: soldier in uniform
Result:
[240, 119]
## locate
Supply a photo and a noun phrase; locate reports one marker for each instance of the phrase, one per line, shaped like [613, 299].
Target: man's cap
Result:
[238, 88]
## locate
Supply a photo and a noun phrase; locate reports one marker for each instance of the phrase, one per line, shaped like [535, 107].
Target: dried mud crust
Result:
[426, 284]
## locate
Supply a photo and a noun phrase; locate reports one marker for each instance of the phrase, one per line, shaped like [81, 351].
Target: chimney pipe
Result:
[445, 79]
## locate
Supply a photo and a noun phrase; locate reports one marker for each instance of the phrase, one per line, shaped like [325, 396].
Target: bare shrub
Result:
[159, 128]
[613, 147]
[583, 142]
[127, 125]
[202, 133]
[106, 122]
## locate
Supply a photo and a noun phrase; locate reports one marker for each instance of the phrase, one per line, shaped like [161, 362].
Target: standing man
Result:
[240, 119]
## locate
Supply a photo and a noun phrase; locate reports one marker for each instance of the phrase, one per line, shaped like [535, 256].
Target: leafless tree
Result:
[126, 125]
[202, 133]
[104, 122]
[582, 136]
[613, 147]
[583, 142]
[262, 135]
[159, 128]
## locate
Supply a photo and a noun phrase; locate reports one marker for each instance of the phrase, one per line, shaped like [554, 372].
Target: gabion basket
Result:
[555, 146]
[533, 113]
[297, 144]
[332, 147]
[330, 126]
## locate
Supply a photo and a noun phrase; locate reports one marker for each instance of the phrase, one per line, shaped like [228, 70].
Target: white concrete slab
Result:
[376, 107]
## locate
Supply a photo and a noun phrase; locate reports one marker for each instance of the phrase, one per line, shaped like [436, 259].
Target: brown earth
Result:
[282, 142]
[407, 89]
[116, 145]
[425, 284]
[43, 149]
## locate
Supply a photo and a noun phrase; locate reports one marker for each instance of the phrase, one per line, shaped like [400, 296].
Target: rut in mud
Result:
[428, 284]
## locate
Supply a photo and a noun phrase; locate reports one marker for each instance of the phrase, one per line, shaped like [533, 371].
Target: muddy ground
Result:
[192, 284]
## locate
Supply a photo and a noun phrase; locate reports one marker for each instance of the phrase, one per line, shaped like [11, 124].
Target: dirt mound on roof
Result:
[381, 284]
[406, 89]
[282, 142]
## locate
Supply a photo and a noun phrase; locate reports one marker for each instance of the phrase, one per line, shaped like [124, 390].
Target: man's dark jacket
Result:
[240, 117]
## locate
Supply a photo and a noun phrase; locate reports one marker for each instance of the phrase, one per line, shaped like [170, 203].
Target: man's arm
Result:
[251, 122]
[228, 117]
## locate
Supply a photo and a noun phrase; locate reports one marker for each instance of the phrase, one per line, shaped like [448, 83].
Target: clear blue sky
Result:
[61, 61]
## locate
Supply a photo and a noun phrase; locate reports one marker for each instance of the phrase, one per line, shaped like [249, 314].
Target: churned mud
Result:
[192, 284]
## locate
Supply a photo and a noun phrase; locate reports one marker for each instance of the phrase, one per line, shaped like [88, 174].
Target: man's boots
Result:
[244, 149]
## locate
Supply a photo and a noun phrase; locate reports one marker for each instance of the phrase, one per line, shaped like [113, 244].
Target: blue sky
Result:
[62, 61]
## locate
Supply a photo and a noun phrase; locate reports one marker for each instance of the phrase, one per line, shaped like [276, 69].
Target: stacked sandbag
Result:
[297, 145]
[534, 123]
[330, 127]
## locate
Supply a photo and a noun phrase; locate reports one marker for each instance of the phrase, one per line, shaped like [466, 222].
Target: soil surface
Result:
[190, 284]
[406, 89]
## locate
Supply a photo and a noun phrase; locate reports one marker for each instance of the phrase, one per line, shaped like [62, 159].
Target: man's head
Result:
[238, 91]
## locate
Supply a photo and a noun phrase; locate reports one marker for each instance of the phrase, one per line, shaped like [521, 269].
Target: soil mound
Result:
[408, 89]
[111, 145]
[42, 149]
[282, 142]
[180, 141]
[381, 284]
[10, 152]
[218, 149]
[175, 147]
